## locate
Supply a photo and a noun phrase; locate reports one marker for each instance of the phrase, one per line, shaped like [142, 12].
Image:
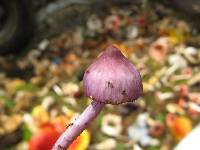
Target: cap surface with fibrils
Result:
[112, 78]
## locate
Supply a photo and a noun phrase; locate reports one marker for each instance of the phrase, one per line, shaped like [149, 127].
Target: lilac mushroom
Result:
[111, 79]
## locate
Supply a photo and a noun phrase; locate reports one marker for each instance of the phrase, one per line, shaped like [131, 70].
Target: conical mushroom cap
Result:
[112, 78]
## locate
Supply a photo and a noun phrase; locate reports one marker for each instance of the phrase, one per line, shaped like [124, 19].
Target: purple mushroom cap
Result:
[112, 79]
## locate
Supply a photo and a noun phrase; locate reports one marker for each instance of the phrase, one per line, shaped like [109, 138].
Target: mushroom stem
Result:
[75, 129]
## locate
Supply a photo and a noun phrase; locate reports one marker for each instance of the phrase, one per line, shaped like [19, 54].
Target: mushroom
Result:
[111, 79]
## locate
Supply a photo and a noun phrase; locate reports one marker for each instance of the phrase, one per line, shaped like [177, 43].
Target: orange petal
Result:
[60, 123]
[181, 127]
[126, 51]
[44, 139]
[82, 142]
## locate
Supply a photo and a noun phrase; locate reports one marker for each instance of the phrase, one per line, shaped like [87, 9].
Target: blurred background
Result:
[45, 46]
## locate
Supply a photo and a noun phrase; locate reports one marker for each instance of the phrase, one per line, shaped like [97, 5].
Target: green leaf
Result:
[9, 103]
[26, 135]
[120, 146]
[27, 87]
[153, 148]
[160, 117]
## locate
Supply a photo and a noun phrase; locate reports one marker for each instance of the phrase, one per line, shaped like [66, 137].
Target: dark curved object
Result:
[11, 138]
[16, 25]
[189, 6]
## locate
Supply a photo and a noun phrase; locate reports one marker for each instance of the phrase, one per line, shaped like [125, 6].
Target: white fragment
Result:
[43, 45]
[94, 23]
[70, 100]
[137, 147]
[112, 125]
[132, 32]
[27, 118]
[191, 50]
[69, 88]
[177, 60]
[57, 89]
[47, 102]
[108, 144]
